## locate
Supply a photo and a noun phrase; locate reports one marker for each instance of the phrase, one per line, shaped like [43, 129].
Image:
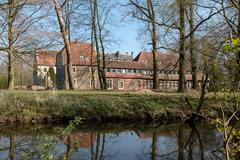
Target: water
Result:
[110, 142]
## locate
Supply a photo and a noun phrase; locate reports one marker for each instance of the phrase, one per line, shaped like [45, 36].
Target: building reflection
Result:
[182, 143]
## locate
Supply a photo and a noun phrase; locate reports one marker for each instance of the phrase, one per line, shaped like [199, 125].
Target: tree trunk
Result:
[92, 48]
[66, 42]
[191, 47]
[68, 23]
[154, 43]
[236, 83]
[103, 73]
[92, 63]
[10, 45]
[182, 84]
[94, 19]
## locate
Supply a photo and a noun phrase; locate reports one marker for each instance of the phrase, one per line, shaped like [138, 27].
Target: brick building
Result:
[123, 71]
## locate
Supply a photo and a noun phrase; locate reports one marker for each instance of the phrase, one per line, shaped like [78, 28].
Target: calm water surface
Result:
[110, 141]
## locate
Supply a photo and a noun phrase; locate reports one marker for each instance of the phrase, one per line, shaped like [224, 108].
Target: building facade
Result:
[123, 71]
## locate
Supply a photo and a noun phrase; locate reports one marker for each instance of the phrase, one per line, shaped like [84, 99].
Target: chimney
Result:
[132, 54]
[117, 55]
[77, 40]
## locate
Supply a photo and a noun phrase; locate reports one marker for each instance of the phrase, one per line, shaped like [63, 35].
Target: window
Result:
[119, 71]
[81, 58]
[175, 85]
[148, 72]
[151, 84]
[74, 69]
[108, 70]
[120, 85]
[45, 69]
[139, 84]
[75, 82]
[92, 82]
[110, 84]
[161, 84]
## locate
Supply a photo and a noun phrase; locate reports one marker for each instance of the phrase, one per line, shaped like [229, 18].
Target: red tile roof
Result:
[46, 57]
[128, 76]
[81, 53]
[80, 140]
[127, 65]
[170, 77]
[165, 60]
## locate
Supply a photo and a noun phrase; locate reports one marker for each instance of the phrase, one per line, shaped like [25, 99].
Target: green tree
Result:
[52, 75]
[3, 82]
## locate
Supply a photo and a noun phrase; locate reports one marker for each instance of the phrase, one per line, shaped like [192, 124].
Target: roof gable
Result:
[81, 53]
[46, 57]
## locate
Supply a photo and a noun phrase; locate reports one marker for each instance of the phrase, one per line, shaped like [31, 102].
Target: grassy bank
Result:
[59, 106]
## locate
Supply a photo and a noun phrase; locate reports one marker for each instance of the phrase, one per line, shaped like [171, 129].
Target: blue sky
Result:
[126, 34]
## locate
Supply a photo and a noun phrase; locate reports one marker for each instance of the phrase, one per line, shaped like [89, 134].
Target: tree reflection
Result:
[100, 146]
[154, 144]
[12, 147]
[195, 137]
[69, 148]
[180, 144]
[189, 144]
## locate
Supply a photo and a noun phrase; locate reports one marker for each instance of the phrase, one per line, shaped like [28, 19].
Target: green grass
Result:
[25, 106]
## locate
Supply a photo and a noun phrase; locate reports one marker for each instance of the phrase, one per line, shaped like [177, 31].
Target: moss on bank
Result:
[53, 106]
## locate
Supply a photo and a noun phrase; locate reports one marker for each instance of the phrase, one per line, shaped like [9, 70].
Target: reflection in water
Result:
[180, 144]
[154, 144]
[165, 142]
[12, 146]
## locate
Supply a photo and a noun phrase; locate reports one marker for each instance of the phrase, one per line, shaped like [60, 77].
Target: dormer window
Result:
[145, 61]
[74, 69]
[81, 58]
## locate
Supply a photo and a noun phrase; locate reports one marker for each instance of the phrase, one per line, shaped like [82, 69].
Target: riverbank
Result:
[62, 106]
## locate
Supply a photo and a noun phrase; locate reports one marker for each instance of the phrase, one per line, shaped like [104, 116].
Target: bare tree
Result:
[234, 25]
[10, 19]
[146, 13]
[182, 54]
[66, 43]
[192, 51]
[94, 10]
[17, 18]
[99, 16]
